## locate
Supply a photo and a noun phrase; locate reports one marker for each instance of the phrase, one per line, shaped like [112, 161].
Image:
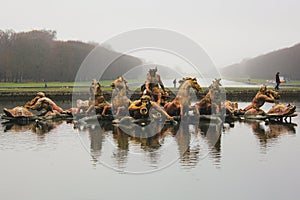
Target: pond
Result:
[252, 160]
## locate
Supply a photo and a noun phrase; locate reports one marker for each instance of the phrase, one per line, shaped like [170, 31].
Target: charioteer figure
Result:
[151, 86]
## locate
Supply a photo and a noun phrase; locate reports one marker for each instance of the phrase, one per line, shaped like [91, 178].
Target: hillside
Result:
[286, 61]
[37, 55]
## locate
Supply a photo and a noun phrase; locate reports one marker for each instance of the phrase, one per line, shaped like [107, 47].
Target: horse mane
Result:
[215, 84]
[124, 90]
[183, 80]
[125, 82]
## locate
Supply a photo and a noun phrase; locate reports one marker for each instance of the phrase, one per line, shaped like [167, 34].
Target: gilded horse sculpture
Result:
[119, 102]
[87, 105]
[97, 100]
[211, 103]
[181, 104]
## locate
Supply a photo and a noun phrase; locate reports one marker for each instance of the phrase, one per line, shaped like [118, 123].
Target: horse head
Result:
[120, 86]
[215, 84]
[189, 82]
[95, 88]
[275, 94]
[119, 83]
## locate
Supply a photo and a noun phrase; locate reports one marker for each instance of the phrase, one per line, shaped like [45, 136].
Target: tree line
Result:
[37, 56]
[286, 61]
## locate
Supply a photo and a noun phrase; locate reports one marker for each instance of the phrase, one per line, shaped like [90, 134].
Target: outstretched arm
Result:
[158, 108]
[36, 105]
[32, 102]
[269, 99]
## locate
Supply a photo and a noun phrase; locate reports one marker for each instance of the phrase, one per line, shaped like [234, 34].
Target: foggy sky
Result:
[228, 30]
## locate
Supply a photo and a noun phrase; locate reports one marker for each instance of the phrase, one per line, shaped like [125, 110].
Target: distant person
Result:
[174, 83]
[277, 78]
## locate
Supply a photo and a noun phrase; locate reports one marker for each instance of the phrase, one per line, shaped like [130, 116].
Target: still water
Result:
[251, 160]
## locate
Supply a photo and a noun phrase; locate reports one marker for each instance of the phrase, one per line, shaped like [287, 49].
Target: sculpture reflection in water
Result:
[41, 128]
[196, 142]
[267, 133]
[96, 135]
[193, 141]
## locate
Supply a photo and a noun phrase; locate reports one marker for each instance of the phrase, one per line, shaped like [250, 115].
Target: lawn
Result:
[84, 86]
[60, 84]
[55, 86]
[260, 81]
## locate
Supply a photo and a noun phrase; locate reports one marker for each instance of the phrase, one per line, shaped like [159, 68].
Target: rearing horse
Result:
[120, 86]
[119, 100]
[211, 103]
[183, 98]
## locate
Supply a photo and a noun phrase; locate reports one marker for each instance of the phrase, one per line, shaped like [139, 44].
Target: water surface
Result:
[251, 160]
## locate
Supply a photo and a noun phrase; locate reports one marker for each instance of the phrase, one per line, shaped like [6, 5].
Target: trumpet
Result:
[143, 109]
[274, 93]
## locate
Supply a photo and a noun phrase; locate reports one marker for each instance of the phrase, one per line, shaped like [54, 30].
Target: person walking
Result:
[277, 78]
[174, 83]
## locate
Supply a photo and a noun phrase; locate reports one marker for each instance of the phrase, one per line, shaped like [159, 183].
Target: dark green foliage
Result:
[37, 56]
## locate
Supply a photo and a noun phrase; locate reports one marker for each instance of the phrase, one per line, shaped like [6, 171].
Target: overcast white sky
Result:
[229, 30]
